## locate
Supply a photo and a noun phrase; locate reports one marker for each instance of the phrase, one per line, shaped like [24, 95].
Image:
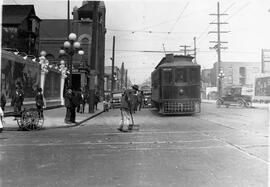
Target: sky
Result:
[141, 27]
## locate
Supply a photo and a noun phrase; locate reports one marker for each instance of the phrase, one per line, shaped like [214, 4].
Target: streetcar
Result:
[176, 85]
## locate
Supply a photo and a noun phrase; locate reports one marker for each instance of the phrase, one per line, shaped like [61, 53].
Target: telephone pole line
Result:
[195, 50]
[112, 77]
[218, 47]
[185, 49]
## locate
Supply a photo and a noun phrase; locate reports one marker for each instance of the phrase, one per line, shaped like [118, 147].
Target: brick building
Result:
[20, 28]
[53, 33]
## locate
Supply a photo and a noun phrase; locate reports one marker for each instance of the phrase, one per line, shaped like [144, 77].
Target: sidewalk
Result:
[254, 105]
[54, 118]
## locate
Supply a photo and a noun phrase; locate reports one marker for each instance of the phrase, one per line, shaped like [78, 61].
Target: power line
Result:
[143, 51]
[150, 31]
[239, 10]
[178, 18]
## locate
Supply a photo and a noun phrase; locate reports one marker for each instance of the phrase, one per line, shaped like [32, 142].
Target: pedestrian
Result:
[78, 100]
[83, 101]
[74, 104]
[3, 99]
[135, 102]
[18, 99]
[1, 119]
[68, 105]
[140, 99]
[40, 102]
[96, 100]
[126, 107]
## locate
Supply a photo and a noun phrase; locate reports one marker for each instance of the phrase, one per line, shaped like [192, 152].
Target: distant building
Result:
[235, 74]
[265, 61]
[119, 78]
[238, 73]
[20, 28]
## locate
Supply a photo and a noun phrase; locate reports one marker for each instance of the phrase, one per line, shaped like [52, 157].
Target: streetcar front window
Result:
[167, 76]
[180, 75]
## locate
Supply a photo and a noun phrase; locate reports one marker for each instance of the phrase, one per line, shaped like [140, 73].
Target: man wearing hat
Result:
[127, 107]
[71, 106]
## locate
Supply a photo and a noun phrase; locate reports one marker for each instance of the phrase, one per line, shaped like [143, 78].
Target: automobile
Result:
[147, 98]
[116, 99]
[234, 96]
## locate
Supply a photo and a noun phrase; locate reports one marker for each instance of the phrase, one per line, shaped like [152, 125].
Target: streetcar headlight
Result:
[181, 91]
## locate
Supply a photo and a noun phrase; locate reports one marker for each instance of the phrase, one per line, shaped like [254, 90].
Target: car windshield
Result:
[117, 95]
[147, 93]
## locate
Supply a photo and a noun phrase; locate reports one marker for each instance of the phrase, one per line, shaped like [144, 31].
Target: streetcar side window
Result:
[194, 75]
[180, 75]
[167, 76]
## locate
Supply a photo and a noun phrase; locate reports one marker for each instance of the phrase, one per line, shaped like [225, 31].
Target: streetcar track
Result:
[237, 147]
[108, 143]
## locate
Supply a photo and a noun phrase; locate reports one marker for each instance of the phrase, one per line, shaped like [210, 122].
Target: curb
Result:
[57, 127]
[76, 124]
[10, 113]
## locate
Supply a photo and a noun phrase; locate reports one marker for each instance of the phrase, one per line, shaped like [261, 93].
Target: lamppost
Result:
[44, 65]
[70, 47]
[221, 75]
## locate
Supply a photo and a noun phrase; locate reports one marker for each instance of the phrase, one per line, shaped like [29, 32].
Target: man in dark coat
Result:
[69, 106]
[39, 102]
[18, 99]
[96, 100]
[74, 104]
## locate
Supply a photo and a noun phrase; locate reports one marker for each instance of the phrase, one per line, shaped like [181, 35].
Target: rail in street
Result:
[206, 149]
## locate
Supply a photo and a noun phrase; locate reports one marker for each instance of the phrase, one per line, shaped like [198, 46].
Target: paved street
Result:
[219, 147]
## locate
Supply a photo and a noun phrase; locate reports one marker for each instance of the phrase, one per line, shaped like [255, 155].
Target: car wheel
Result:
[240, 103]
[248, 104]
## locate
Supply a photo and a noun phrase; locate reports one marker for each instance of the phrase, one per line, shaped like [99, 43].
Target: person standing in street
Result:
[39, 102]
[74, 104]
[126, 109]
[140, 99]
[18, 99]
[68, 105]
[83, 101]
[96, 100]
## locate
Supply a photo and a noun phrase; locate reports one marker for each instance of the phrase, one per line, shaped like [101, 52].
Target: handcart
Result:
[29, 119]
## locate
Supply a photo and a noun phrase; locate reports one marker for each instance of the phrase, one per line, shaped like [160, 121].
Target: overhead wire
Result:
[178, 18]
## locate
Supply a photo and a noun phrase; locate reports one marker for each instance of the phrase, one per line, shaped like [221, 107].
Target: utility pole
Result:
[112, 77]
[68, 32]
[126, 81]
[122, 75]
[164, 49]
[218, 47]
[185, 48]
[93, 56]
[195, 52]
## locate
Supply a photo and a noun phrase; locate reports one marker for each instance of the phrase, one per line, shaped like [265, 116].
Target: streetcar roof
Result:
[177, 60]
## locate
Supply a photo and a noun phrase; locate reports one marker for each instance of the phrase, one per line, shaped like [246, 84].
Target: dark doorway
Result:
[76, 82]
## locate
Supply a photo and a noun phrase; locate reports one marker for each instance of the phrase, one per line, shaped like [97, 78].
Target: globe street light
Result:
[71, 47]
